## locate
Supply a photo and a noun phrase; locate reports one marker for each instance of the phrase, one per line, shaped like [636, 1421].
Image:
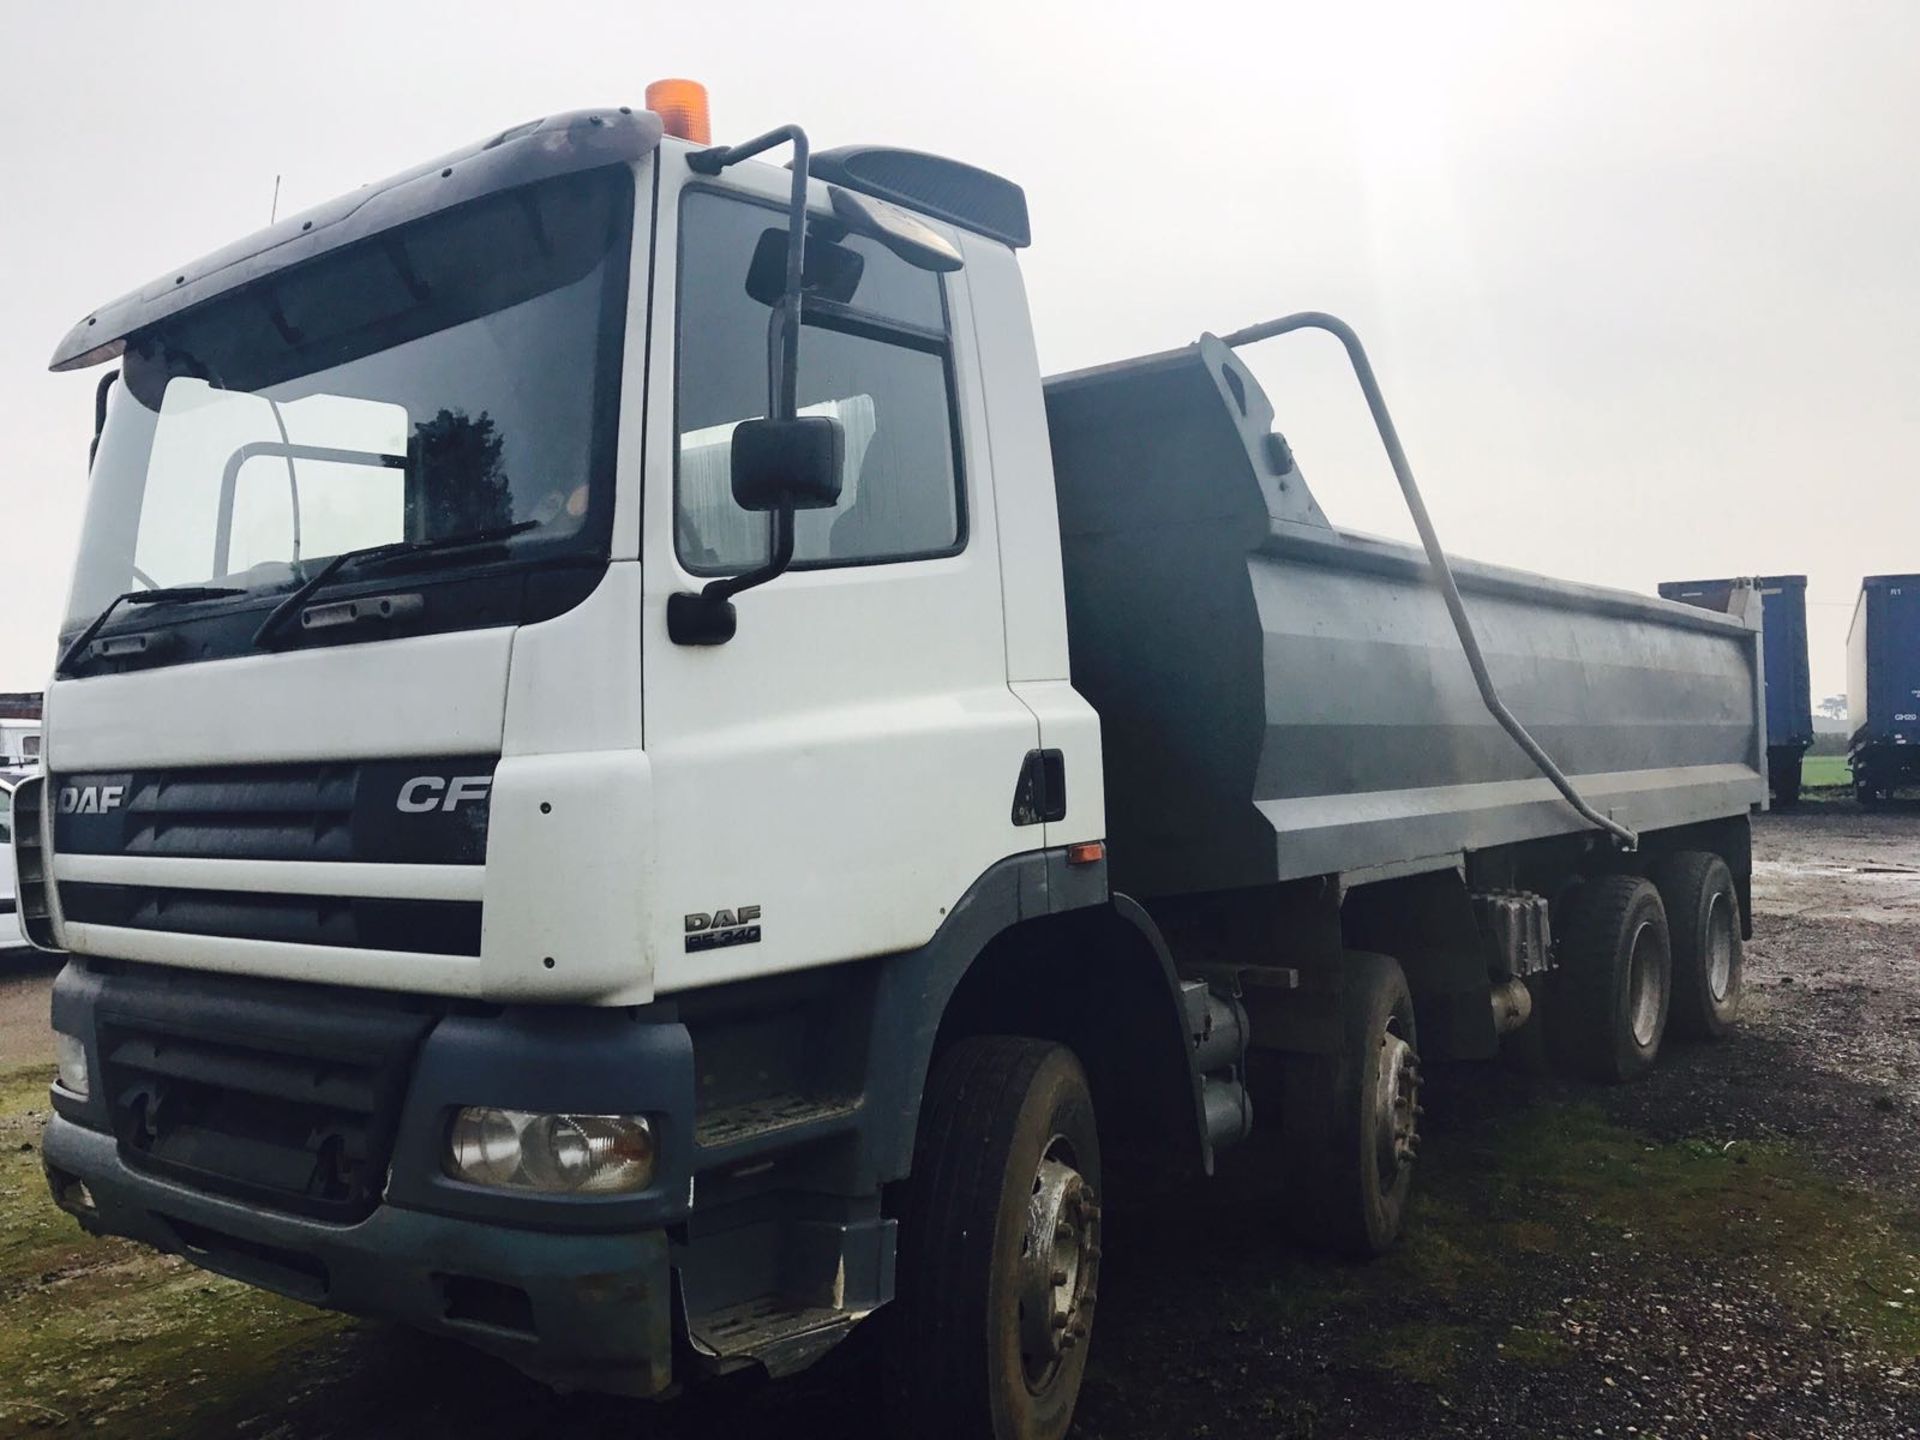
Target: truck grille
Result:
[242, 1088]
[425, 927]
[404, 812]
[30, 862]
[352, 810]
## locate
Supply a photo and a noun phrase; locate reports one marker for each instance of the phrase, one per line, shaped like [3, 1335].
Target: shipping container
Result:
[1883, 686]
[1789, 685]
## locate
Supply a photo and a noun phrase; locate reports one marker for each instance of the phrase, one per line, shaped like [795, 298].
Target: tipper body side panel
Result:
[1281, 699]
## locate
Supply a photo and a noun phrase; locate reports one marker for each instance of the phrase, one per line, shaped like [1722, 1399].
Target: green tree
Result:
[461, 483]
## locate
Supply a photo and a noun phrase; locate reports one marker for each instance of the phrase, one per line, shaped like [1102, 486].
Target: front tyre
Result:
[999, 1246]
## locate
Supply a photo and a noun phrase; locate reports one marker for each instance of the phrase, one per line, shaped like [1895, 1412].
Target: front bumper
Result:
[578, 1311]
[233, 1078]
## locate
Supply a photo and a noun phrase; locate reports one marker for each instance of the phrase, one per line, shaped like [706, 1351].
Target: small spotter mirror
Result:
[905, 234]
[830, 272]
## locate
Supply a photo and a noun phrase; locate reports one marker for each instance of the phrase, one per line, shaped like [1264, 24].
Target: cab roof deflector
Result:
[950, 190]
[537, 150]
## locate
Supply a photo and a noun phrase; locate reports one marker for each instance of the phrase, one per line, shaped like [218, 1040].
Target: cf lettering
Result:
[467, 787]
[420, 794]
[430, 792]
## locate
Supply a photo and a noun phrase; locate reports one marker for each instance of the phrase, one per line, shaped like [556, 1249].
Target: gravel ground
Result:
[1729, 1249]
[1829, 1050]
[25, 978]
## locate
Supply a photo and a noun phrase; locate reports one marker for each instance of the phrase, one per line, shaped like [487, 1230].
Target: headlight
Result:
[70, 1064]
[553, 1154]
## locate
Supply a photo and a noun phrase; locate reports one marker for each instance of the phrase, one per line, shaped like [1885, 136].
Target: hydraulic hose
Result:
[1436, 557]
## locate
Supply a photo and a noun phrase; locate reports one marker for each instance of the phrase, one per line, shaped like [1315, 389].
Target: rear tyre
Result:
[1703, 917]
[1616, 979]
[999, 1247]
[1351, 1119]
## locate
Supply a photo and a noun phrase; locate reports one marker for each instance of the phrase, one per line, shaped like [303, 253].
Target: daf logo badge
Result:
[719, 928]
[91, 799]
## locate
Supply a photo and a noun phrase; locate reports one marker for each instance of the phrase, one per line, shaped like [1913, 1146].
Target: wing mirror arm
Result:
[763, 478]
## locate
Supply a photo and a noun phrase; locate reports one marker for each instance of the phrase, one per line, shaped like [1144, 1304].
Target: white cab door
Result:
[829, 782]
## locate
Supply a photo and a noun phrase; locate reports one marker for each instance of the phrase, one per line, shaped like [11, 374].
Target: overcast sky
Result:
[1642, 282]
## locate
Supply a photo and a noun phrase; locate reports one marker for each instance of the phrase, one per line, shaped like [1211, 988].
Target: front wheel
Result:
[999, 1246]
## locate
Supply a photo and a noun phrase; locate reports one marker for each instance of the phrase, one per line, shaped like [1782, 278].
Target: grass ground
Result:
[107, 1337]
[1822, 772]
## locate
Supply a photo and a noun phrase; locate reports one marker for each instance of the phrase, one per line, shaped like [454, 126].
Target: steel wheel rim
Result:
[1643, 987]
[1396, 1108]
[1719, 949]
[1059, 1260]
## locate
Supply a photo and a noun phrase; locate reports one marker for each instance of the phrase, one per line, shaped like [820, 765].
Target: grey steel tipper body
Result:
[1281, 699]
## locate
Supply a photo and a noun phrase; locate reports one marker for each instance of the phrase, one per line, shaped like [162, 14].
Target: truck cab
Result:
[465, 837]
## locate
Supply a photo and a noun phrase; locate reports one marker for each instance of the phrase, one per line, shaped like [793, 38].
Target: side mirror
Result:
[779, 466]
[794, 463]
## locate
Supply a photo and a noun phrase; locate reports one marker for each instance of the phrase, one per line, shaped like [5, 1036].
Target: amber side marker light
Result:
[682, 108]
[1087, 852]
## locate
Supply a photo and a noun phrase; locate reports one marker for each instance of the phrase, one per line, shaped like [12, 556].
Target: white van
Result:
[19, 744]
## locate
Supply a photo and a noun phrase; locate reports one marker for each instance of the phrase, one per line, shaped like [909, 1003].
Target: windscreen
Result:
[453, 376]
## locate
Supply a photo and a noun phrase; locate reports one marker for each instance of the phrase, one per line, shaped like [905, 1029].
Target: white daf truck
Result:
[639, 792]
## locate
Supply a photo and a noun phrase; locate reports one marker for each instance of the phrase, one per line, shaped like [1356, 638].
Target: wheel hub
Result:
[1059, 1259]
[1644, 987]
[1396, 1121]
[1719, 949]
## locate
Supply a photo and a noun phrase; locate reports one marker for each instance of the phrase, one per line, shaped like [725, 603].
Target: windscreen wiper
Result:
[317, 581]
[165, 595]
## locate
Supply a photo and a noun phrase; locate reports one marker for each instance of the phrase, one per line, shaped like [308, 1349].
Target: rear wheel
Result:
[999, 1246]
[1351, 1118]
[1616, 977]
[1703, 916]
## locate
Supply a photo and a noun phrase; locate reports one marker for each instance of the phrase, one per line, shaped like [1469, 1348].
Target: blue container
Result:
[1783, 617]
[1883, 686]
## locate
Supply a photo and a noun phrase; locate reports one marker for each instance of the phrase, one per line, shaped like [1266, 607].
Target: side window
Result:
[877, 359]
